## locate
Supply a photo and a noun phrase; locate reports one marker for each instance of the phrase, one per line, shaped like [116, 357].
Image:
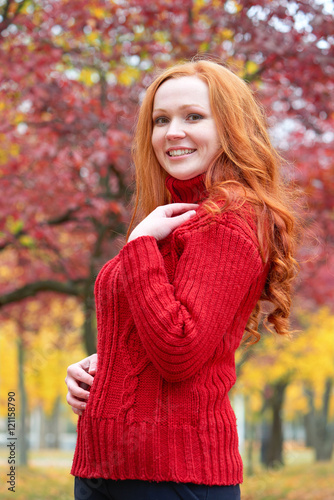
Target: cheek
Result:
[214, 144]
[156, 142]
[208, 137]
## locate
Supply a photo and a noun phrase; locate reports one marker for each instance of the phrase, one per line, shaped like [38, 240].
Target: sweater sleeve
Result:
[181, 323]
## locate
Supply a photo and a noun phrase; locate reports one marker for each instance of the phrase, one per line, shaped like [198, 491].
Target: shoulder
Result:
[223, 241]
[241, 221]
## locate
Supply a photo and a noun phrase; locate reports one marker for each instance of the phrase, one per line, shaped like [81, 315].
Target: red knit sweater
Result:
[170, 316]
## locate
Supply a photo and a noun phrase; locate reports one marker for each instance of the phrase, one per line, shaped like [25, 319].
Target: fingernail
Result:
[87, 395]
[83, 406]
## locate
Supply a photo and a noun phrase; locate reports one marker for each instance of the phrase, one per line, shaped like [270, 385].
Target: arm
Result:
[181, 323]
[160, 223]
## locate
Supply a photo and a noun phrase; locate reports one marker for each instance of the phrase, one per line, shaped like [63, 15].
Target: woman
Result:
[216, 236]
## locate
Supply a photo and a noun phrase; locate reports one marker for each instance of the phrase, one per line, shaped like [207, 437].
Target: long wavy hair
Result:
[245, 169]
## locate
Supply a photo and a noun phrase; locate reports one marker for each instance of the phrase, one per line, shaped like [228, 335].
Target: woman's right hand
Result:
[79, 379]
[163, 220]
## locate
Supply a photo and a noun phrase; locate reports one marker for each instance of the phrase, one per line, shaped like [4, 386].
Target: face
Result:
[185, 138]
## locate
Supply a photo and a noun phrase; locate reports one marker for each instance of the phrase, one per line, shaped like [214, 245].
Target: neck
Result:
[188, 191]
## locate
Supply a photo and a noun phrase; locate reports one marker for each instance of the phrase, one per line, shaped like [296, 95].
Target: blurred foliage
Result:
[52, 340]
[305, 360]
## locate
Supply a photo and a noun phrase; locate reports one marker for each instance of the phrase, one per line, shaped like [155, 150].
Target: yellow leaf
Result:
[251, 67]
[14, 150]
[97, 12]
[27, 241]
[128, 76]
[238, 6]
[93, 38]
[3, 157]
[88, 76]
[14, 225]
[198, 5]
[227, 34]
[204, 47]
[160, 36]
[20, 117]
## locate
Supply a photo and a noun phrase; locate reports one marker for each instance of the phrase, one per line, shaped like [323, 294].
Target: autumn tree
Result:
[72, 74]
[294, 377]
[35, 348]
[316, 371]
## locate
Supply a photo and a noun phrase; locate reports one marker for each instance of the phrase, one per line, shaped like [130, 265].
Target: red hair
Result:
[246, 168]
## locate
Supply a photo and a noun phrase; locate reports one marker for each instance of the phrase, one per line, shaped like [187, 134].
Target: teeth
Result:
[180, 152]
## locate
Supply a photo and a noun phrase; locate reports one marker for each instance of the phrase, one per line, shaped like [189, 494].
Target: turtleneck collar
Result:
[188, 191]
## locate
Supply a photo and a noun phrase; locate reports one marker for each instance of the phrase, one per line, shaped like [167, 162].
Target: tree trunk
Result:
[310, 420]
[89, 328]
[250, 449]
[272, 439]
[324, 430]
[265, 435]
[23, 430]
[319, 431]
[54, 425]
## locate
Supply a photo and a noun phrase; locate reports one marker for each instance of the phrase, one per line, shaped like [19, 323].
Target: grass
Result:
[48, 478]
[40, 483]
[293, 482]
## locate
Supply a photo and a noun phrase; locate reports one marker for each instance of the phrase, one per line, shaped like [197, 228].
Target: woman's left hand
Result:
[79, 379]
[163, 220]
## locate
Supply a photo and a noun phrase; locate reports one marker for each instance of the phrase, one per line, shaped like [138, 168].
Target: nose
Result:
[175, 130]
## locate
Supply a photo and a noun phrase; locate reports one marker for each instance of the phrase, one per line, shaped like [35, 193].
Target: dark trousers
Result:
[108, 489]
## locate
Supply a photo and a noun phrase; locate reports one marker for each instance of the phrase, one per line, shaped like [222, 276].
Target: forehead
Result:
[182, 91]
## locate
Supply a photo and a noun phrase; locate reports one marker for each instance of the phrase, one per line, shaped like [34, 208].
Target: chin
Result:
[185, 176]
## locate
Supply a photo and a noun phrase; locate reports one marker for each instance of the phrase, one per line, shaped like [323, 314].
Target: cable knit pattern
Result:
[170, 316]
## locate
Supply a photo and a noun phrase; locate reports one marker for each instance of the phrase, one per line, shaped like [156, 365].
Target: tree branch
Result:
[31, 289]
[66, 217]
[6, 20]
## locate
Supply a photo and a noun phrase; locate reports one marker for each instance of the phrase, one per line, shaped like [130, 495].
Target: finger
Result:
[77, 412]
[92, 370]
[78, 373]
[93, 365]
[76, 390]
[178, 208]
[176, 221]
[75, 403]
[87, 362]
[84, 363]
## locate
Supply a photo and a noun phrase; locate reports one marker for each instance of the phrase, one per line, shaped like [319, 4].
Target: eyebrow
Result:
[181, 107]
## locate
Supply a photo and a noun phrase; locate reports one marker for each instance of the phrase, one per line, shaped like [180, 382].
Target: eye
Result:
[160, 120]
[193, 117]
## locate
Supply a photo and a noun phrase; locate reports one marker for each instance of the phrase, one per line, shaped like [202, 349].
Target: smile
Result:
[180, 152]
